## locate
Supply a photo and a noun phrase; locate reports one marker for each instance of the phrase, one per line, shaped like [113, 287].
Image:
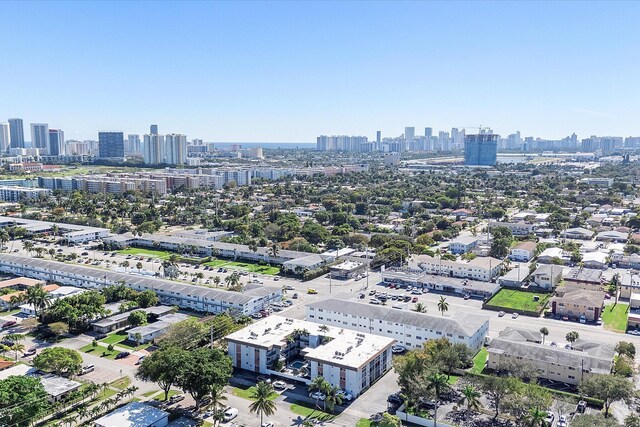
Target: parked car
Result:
[295, 296]
[553, 344]
[345, 396]
[581, 407]
[176, 398]
[312, 291]
[279, 385]
[140, 360]
[395, 398]
[101, 336]
[374, 301]
[123, 354]
[549, 418]
[562, 421]
[268, 424]
[86, 369]
[501, 314]
[30, 352]
[9, 324]
[583, 319]
[287, 303]
[317, 395]
[289, 288]
[514, 315]
[398, 349]
[263, 378]
[414, 299]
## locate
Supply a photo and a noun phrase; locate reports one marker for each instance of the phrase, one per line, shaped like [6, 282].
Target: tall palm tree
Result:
[535, 417]
[437, 383]
[216, 280]
[334, 397]
[470, 397]
[28, 246]
[217, 403]
[17, 347]
[544, 332]
[420, 308]
[38, 297]
[262, 404]
[443, 305]
[319, 384]
[572, 337]
[323, 328]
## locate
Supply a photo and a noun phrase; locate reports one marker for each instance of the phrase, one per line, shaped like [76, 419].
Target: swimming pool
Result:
[298, 364]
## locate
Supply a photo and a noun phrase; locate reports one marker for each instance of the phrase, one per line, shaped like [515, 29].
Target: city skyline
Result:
[273, 72]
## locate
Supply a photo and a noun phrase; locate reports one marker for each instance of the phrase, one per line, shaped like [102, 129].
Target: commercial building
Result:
[575, 302]
[40, 136]
[134, 414]
[480, 268]
[560, 364]
[409, 328]
[346, 359]
[252, 299]
[16, 133]
[481, 149]
[347, 269]
[111, 145]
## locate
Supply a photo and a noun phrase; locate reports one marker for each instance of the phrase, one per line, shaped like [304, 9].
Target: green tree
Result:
[147, 298]
[204, 369]
[632, 420]
[59, 360]
[572, 337]
[22, 399]
[471, 398]
[535, 417]
[437, 383]
[443, 305]
[608, 388]
[262, 403]
[334, 397]
[593, 420]
[420, 308]
[320, 385]
[58, 328]
[163, 367]
[389, 420]
[38, 297]
[544, 332]
[626, 349]
[137, 318]
[497, 389]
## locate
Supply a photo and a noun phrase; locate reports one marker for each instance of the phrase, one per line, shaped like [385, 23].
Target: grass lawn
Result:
[479, 361]
[100, 351]
[105, 394]
[245, 393]
[514, 299]
[245, 266]
[9, 312]
[121, 383]
[453, 379]
[120, 338]
[614, 317]
[309, 412]
[150, 393]
[363, 422]
[145, 252]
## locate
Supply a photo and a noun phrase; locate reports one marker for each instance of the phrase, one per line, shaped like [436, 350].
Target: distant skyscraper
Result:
[16, 133]
[378, 138]
[40, 135]
[111, 145]
[176, 149]
[409, 135]
[153, 129]
[4, 137]
[428, 132]
[481, 149]
[133, 144]
[154, 149]
[56, 142]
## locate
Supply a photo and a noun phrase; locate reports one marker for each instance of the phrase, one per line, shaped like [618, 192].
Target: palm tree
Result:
[470, 397]
[217, 403]
[438, 383]
[535, 417]
[38, 297]
[216, 280]
[28, 246]
[17, 347]
[139, 266]
[323, 328]
[544, 331]
[262, 404]
[443, 305]
[420, 308]
[572, 337]
[334, 397]
[319, 384]
[232, 280]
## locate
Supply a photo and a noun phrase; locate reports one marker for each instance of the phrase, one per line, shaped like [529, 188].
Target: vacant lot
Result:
[145, 252]
[513, 299]
[614, 317]
[244, 266]
[121, 338]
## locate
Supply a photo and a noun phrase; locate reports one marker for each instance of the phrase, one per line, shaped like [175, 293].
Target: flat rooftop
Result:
[134, 414]
[347, 348]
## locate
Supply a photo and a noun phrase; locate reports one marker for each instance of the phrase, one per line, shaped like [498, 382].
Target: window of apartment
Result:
[320, 318]
[460, 337]
[438, 333]
[418, 338]
[408, 336]
[571, 377]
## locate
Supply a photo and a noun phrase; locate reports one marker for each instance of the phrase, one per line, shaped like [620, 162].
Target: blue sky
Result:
[290, 71]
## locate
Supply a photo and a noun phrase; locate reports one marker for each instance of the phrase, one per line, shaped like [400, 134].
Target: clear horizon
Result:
[282, 72]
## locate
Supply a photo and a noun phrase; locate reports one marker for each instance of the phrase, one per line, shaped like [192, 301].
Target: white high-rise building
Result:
[40, 135]
[133, 144]
[176, 149]
[5, 141]
[154, 150]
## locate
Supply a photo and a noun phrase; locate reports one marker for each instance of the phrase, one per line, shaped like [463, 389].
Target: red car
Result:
[9, 324]
[414, 299]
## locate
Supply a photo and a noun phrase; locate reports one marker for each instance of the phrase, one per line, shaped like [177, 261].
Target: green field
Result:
[160, 396]
[120, 338]
[509, 299]
[100, 351]
[363, 422]
[244, 266]
[614, 317]
[479, 361]
[245, 393]
[145, 252]
[309, 412]
[121, 383]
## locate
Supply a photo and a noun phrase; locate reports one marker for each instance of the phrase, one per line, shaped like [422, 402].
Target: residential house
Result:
[523, 251]
[463, 244]
[578, 233]
[575, 302]
[584, 278]
[546, 276]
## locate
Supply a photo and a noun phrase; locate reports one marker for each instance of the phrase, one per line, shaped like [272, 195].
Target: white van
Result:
[87, 368]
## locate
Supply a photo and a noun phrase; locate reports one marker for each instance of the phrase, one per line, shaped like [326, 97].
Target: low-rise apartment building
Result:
[560, 364]
[480, 268]
[409, 328]
[523, 251]
[301, 350]
[462, 245]
[585, 278]
[575, 302]
[252, 299]
[443, 284]
[517, 228]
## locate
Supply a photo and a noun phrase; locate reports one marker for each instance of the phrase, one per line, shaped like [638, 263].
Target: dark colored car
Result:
[395, 398]
[122, 355]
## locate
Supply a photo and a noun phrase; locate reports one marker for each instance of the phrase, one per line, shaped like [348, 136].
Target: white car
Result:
[397, 349]
[345, 396]
[374, 301]
[317, 395]
[268, 424]
[279, 385]
[230, 413]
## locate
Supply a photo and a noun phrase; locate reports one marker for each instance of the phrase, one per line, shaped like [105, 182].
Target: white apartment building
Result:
[16, 194]
[154, 149]
[409, 328]
[346, 359]
[5, 140]
[523, 251]
[40, 135]
[176, 149]
[517, 228]
[252, 299]
[480, 268]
